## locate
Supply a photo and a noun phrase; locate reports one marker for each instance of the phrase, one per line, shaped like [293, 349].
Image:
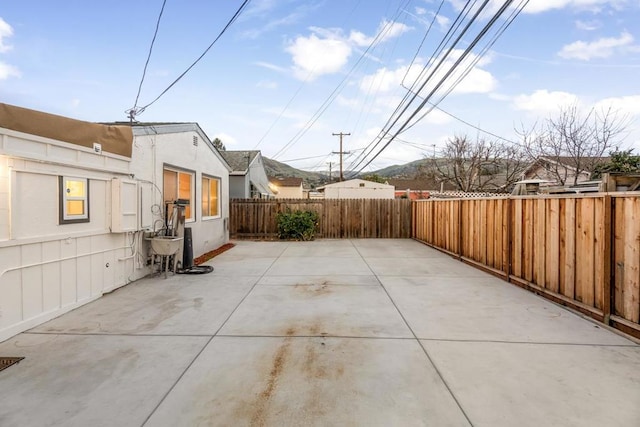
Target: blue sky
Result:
[269, 75]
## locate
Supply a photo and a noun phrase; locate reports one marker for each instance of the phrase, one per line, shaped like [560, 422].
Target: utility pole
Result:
[341, 134]
[330, 163]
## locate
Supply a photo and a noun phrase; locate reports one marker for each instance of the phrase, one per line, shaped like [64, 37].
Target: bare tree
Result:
[481, 165]
[573, 143]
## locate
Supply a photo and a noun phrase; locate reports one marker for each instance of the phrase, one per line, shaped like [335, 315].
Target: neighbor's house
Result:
[561, 170]
[248, 179]
[358, 189]
[287, 188]
[77, 198]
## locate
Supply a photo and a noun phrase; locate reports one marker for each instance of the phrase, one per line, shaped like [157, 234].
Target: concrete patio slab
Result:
[310, 382]
[229, 264]
[409, 265]
[489, 309]
[269, 339]
[315, 310]
[303, 249]
[90, 380]
[179, 305]
[292, 266]
[499, 384]
[395, 248]
[320, 280]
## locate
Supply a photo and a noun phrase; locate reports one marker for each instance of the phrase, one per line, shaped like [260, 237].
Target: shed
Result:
[358, 189]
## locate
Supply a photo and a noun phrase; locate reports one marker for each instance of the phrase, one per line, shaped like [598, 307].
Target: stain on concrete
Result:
[318, 290]
[263, 400]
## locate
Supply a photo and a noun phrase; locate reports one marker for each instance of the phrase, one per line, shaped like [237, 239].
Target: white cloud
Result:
[539, 6]
[420, 10]
[626, 105]
[6, 31]
[588, 25]
[596, 6]
[270, 66]
[476, 81]
[226, 139]
[313, 56]
[327, 50]
[544, 102]
[437, 117]
[7, 71]
[267, 84]
[601, 48]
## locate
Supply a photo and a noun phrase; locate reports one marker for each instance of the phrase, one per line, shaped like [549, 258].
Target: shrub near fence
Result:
[582, 251]
[338, 218]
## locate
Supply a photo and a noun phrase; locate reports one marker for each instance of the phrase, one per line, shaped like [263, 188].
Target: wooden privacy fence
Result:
[582, 251]
[338, 218]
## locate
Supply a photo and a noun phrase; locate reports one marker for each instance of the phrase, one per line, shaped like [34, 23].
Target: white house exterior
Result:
[358, 189]
[75, 201]
[287, 188]
[248, 179]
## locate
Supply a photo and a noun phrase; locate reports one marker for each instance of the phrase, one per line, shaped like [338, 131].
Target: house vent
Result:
[195, 141]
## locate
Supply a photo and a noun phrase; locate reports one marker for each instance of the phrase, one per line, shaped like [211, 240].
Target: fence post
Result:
[608, 227]
[460, 230]
[509, 247]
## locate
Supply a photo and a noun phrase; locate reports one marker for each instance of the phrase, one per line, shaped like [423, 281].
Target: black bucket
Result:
[187, 252]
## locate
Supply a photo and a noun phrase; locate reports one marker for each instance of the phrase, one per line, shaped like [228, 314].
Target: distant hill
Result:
[316, 179]
[282, 170]
[408, 170]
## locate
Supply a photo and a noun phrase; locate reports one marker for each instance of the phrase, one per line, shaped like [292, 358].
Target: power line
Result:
[146, 64]
[235, 16]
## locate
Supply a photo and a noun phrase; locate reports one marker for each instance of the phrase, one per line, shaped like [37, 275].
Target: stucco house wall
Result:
[48, 267]
[160, 146]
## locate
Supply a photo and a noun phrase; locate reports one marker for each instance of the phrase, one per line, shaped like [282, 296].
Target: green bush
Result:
[297, 225]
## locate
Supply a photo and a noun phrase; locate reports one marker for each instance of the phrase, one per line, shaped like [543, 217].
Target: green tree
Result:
[218, 144]
[619, 161]
[374, 177]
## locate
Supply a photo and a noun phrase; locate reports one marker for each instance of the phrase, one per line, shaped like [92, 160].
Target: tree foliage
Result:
[297, 225]
[573, 142]
[620, 161]
[219, 144]
[375, 178]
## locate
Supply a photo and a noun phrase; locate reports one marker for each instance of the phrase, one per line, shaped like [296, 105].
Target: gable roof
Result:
[160, 128]
[286, 182]
[240, 160]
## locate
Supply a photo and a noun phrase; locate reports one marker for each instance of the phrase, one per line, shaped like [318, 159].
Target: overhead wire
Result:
[235, 16]
[466, 52]
[394, 119]
[327, 102]
[146, 64]
[407, 100]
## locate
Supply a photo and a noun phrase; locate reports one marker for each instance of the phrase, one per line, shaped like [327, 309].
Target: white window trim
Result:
[192, 198]
[64, 217]
[219, 180]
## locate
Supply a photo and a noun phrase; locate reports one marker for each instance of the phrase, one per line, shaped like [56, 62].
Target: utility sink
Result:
[166, 245]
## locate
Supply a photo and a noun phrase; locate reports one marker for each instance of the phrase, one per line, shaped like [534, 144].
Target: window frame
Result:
[192, 195]
[63, 216]
[218, 199]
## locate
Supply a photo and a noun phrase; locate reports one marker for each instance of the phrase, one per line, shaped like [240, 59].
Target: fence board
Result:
[580, 250]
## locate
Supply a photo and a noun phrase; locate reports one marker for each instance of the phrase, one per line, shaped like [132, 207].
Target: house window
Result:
[74, 200]
[178, 184]
[210, 197]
